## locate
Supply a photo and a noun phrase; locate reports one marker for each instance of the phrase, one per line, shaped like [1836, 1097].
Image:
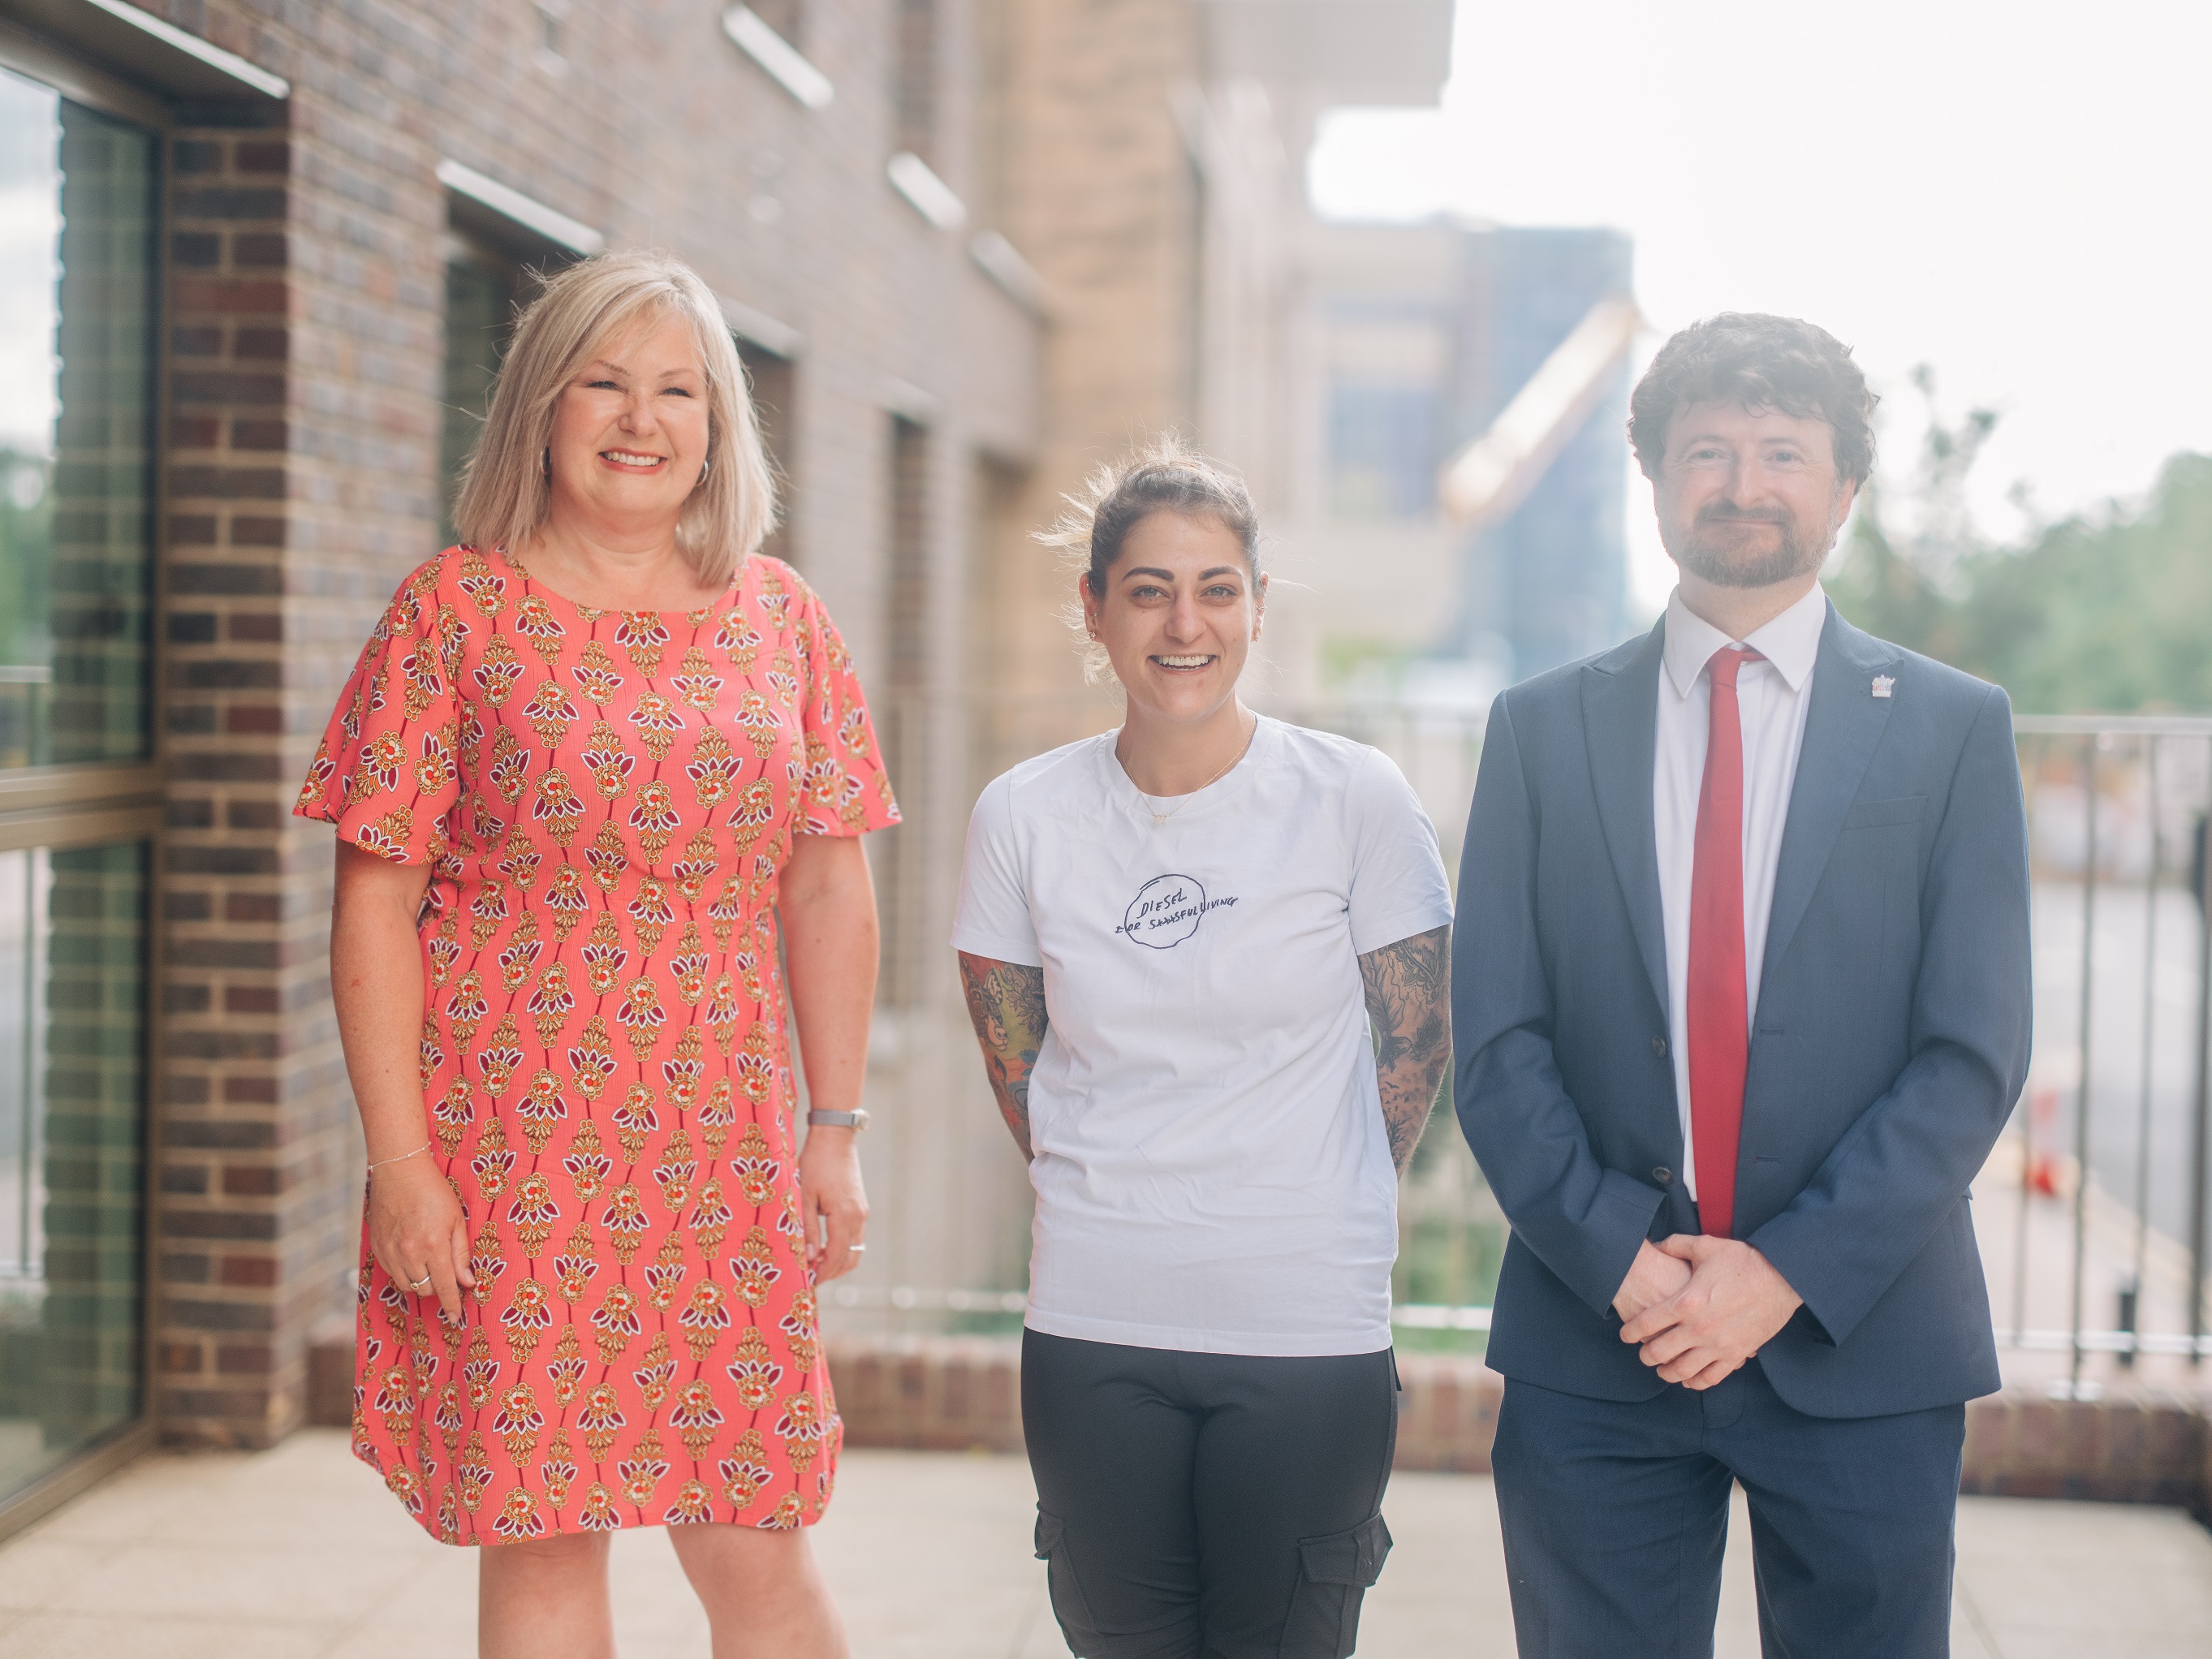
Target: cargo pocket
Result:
[1068, 1605]
[1335, 1571]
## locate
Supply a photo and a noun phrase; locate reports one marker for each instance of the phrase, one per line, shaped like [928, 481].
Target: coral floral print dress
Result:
[606, 799]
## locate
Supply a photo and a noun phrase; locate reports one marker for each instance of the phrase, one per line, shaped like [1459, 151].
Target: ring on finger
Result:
[856, 1248]
[419, 1285]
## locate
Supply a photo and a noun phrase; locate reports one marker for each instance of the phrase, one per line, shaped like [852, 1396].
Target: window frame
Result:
[82, 804]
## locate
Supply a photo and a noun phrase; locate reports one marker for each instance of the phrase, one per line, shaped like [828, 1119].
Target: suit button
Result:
[1659, 1046]
[1662, 1174]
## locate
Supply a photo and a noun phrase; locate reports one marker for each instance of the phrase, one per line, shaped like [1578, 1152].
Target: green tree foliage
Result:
[27, 515]
[2103, 617]
[2108, 614]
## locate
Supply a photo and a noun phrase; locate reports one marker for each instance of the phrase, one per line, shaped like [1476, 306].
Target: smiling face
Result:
[1179, 615]
[630, 431]
[1749, 498]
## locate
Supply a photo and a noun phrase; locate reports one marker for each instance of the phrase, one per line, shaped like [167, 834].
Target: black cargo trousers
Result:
[1207, 1506]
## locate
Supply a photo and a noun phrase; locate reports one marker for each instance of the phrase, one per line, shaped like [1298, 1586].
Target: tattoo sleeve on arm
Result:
[1409, 1004]
[1006, 1002]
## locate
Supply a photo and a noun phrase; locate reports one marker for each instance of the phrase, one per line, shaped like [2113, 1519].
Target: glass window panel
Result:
[490, 276]
[1383, 450]
[77, 198]
[773, 387]
[72, 1137]
[480, 293]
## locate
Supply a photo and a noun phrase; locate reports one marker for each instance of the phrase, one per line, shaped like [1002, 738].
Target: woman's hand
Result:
[833, 1202]
[417, 1230]
[416, 1224]
[827, 907]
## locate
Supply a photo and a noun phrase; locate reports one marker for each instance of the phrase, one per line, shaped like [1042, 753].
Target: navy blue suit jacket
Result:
[1888, 1046]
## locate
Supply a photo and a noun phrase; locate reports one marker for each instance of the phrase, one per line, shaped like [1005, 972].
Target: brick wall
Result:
[305, 359]
[249, 1120]
[929, 1393]
[2145, 1447]
[953, 1395]
[1096, 188]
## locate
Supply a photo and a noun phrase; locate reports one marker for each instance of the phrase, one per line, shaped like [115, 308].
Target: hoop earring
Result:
[705, 467]
[545, 461]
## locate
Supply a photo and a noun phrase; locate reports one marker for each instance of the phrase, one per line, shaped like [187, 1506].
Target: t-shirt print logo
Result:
[1167, 911]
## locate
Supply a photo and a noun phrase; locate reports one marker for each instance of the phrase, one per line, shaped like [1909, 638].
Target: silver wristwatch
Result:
[853, 1120]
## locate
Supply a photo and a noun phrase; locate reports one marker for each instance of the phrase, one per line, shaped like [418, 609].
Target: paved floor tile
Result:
[36, 1570]
[931, 1557]
[66, 1636]
[299, 1553]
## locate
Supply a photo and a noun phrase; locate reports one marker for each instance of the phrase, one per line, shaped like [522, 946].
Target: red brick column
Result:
[292, 451]
[957, 1394]
[2143, 1447]
[929, 1393]
[226, 1155]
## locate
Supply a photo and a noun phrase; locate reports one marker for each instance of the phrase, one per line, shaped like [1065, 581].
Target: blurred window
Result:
[774, 385]
[481, 289]
[1381, 451]
[72, 1137]
[913, 85]
[76, 405]
[1386, 361]
[900, 708]
[79, 228]
[493, 269]
[786, 17]
[909, 588]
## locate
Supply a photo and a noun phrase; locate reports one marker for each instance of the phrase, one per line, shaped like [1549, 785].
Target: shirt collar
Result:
[1790, 642]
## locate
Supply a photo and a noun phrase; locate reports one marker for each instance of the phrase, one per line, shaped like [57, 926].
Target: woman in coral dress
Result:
[594, 765]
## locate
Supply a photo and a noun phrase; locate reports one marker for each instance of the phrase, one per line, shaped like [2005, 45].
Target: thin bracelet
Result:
[402, 1158]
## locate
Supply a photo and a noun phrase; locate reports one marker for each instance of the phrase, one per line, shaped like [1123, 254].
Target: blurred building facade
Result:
[970, 248]
[1416, 338]
[1153, 173]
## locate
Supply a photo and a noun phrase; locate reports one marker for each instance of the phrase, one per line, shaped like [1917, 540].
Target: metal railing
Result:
[949, 1233]
[2104, 1166]
[2092, 1212]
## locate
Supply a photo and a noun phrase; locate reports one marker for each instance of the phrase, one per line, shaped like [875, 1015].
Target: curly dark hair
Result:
[1758, 362]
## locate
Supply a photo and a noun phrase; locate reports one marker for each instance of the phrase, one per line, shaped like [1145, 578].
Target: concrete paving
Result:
[299, 1553]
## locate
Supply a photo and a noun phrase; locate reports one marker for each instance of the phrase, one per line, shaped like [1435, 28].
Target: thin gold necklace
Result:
[1160, 817]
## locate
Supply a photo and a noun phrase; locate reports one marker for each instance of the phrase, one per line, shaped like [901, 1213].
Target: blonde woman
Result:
[1176, 938]
[596, 764]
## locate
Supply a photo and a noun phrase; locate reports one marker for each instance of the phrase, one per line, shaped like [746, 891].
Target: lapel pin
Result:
[1882, 683]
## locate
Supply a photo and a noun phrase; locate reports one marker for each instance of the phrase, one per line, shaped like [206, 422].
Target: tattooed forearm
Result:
[1005, 1000]
[1409, 1005]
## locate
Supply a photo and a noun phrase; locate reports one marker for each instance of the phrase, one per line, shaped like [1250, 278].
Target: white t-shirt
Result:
[1211, 1169]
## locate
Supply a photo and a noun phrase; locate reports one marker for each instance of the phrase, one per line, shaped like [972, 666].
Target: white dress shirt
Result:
[1772, 698]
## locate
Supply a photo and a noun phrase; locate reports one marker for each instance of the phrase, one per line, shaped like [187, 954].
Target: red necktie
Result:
[1719, 1026]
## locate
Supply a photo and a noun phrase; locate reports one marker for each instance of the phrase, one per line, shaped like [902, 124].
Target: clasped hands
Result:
[1699, 1306]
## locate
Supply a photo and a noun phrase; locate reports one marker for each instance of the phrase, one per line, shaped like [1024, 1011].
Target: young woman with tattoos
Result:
[1206, 955]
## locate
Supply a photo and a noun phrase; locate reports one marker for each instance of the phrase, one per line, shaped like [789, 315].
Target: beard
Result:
[1732, 549]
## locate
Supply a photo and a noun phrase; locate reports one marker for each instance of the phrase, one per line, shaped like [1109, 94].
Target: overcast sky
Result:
[30, 221]
[2020, 195]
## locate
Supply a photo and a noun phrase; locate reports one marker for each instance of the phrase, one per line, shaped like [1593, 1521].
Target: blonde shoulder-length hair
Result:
[505, 496]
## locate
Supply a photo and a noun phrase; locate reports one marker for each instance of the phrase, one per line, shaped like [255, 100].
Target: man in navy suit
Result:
[1740, 992]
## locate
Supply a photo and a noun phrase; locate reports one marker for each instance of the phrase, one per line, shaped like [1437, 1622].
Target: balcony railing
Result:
[2091, 1212]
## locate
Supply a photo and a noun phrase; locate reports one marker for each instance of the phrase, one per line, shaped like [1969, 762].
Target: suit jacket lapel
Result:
[1621, 718]
[1842, 729]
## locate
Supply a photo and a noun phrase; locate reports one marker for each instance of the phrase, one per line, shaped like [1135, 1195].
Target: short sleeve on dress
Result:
[386, 773]
[848, 791]
[1399, 888]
